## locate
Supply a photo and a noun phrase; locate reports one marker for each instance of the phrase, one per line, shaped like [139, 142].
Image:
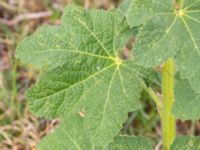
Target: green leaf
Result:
[82, 72]
[186, 101]
[186, 143]
[157, 38]
[89, 33]
[124, 5]
[168, 31]
[70, 135]
[188, 59]
[130, 143]
[141, 11]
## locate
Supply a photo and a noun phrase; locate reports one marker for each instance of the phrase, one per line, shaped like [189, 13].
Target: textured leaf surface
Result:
[94, 34]
[70, 136]
[186, 143]
[130, 143]
[168, 31]
[82, 72]
[188, 59]
[187, 102]
[124, 5]
[157, 38]
[141, 11]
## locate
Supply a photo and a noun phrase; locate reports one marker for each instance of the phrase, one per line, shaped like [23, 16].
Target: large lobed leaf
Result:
[168, 30]
[82, 73]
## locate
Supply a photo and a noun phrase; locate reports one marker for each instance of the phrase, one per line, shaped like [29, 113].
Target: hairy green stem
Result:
[167, 118]
[155, 98]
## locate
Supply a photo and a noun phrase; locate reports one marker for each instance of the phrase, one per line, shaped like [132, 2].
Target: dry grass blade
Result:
[7, 6]
[28, 16]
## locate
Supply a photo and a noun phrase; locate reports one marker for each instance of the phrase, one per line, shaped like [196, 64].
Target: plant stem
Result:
[2, 86]
[14, 86]
[154, 97]
[167, 118]
[179, 3]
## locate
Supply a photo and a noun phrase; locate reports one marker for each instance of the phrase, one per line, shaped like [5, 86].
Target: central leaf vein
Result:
[76, 51]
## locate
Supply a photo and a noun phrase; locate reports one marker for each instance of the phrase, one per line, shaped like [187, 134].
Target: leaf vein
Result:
[192, 18]
[191, 36]
[83, 24]
[71, 139]
[192, 4]
[121, 81]
[76, 51]
[107, 96]
[82, 81]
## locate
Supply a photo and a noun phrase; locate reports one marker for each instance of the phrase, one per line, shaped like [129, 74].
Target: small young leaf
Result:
[82, 71]
[186, 143]
[187, 102]
[168, 29]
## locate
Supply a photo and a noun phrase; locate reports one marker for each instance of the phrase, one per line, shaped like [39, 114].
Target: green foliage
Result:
[130, 143]
[70, 135]
[125, 5]
[186, 143]
[185, 106]
[159, 37]
[86, 83]
[82, 72]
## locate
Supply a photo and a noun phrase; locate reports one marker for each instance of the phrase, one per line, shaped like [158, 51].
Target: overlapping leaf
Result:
[188, 59]
[141, 11]
[187, 102]
[82, 73]
[186, 143]
[156, 39]
[130, 143]
[168, 29]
